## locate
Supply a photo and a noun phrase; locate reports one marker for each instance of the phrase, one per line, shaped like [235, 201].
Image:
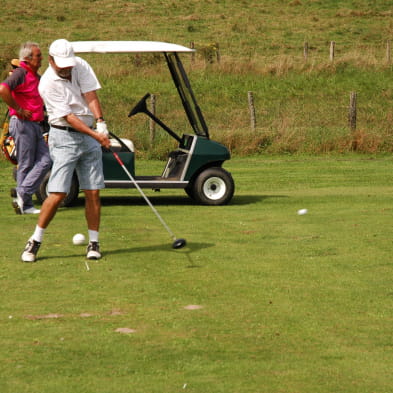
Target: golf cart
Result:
[196, 163]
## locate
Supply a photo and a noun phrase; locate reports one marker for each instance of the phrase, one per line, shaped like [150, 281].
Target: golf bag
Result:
[7, 143]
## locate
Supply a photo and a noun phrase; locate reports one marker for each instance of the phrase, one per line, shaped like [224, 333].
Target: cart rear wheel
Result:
[214, 186]
[42, 192]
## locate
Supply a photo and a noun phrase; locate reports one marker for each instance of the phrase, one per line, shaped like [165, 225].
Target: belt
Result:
[64, 128]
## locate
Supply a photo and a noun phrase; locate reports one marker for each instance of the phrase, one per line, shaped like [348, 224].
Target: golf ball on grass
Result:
[79, 239]
[301, 212]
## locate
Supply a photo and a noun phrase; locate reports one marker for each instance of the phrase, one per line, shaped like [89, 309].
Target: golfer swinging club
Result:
[68, 88]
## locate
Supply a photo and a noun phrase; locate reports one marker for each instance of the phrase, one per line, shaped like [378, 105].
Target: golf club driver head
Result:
[179, 243]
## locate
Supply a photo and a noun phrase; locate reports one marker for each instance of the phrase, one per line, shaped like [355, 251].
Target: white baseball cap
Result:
[63, 53]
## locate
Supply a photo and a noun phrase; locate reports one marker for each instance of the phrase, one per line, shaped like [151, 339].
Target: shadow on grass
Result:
[251, 199]
[173, 200]
[189, 249]
[138, 200]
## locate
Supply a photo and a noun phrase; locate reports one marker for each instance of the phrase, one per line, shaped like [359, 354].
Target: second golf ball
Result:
[79, 239]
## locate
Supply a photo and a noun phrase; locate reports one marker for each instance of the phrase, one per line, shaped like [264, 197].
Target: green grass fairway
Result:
[288, 303]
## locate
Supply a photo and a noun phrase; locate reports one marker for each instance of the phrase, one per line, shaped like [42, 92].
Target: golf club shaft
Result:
[143, 195]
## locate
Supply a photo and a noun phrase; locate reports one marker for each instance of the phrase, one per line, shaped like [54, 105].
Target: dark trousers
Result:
[33, 158]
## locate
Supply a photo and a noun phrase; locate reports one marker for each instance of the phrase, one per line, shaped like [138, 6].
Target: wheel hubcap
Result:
[214, 188]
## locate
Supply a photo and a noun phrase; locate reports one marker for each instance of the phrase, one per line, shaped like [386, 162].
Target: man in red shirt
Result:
[20, 92]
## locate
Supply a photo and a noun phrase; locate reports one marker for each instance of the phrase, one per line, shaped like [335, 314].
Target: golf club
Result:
[177, 243]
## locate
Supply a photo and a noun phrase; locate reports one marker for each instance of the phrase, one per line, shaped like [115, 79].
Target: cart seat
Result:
[116, 146]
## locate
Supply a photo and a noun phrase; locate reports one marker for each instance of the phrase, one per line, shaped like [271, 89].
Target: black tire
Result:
[214, 186]
[69, 200]
[190, 190]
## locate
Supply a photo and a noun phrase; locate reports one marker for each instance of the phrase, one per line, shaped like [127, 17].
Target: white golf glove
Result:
[101, 128]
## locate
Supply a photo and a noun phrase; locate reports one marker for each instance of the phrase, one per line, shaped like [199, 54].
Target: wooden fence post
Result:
[218, 54]
[252, 110]
[352, 115]
[192, 46]
[152, 124]
[332, 50]
[305, 50]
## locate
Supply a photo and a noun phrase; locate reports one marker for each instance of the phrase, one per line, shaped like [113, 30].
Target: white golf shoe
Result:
[17, 204]
[93, 250]
[31, 250]
[31, 210]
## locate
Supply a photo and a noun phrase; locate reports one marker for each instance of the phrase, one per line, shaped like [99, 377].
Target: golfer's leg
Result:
[49, 208]
[93, 209]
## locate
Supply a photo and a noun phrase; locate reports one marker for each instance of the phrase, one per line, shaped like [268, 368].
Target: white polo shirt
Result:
[63, 97]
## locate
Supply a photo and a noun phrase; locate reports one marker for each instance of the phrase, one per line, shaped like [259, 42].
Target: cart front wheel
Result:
[214, 186]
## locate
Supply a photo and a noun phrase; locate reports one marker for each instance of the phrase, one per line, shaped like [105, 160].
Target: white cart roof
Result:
[126, 47]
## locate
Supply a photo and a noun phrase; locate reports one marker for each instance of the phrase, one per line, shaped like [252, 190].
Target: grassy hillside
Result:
[301, 104]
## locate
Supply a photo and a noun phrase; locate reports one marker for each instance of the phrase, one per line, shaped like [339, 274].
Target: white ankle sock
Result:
[93, 235]
[38, 234]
